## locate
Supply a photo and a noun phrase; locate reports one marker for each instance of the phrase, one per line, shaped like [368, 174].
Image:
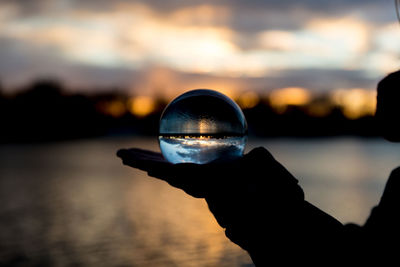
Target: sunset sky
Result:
[169, 46]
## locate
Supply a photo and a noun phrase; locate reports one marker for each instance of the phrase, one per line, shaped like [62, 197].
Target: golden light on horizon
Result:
[280, 99]
[204, 126]
[356, 102]
[114, 108]
[319, 109]
[248, 100]
[141, 106]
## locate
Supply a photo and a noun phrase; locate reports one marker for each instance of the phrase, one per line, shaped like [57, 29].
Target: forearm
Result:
[289, 237]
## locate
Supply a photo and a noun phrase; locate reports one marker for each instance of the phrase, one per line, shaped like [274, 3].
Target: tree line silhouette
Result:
[44, 111]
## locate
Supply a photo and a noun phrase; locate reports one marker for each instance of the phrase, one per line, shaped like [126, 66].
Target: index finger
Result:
[175, 174]
[142, 159]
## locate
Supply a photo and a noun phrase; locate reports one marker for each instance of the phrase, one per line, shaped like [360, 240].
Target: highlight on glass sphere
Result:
[201, 126]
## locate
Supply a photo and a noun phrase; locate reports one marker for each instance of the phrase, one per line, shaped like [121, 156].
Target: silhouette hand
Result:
[202, 180]
[257, 201]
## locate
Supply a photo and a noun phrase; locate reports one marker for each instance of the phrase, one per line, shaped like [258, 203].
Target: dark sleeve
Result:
[303, 237]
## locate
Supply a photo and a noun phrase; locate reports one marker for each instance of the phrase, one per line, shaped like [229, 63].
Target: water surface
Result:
[73, 203]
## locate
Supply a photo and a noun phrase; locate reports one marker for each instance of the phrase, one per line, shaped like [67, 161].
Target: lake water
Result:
[74, 203]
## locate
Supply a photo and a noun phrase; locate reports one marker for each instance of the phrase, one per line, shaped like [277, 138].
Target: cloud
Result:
[251, 15]
[23, 63]
[20, 61]
[187, 44]
[316, 5]
[318, 79]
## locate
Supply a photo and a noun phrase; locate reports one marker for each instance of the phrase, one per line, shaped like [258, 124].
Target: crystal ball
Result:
[201, 126]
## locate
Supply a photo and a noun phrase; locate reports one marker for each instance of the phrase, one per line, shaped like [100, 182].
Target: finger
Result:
[151, 162]
[139, 154]
[194, 179]
[141, 159]
[186, 176]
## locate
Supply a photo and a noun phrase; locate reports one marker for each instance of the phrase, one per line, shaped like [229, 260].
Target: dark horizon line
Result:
[208, 135]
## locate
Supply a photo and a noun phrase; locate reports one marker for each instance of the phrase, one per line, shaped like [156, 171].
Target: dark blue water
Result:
[73, 203]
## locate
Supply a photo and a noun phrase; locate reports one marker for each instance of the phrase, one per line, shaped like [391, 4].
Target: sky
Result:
[165, 47]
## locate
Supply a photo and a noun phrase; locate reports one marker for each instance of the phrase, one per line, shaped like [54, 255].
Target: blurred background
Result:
[81, 79]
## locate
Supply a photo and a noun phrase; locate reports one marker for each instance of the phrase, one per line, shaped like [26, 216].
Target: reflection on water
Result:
[74, 203]
[343, 176]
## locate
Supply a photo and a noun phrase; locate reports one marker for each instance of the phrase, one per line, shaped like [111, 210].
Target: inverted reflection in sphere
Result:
[200, 126]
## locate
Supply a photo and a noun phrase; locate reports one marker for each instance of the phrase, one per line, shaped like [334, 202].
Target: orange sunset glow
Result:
[199, 45]
[315, 59]
[141, 106]
[99, 166]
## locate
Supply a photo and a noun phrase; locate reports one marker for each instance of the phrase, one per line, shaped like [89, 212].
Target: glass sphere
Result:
[201, 126]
